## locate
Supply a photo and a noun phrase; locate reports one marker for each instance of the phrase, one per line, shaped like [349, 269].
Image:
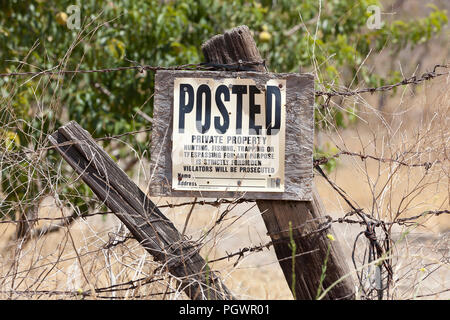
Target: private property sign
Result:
[232, 134]
[228, 135]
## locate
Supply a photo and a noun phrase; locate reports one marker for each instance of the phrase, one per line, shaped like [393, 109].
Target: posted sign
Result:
[225, 134]
[228, 135]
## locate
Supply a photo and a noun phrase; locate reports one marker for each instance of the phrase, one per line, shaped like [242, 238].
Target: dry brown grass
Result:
[75, 261]
[75, 257]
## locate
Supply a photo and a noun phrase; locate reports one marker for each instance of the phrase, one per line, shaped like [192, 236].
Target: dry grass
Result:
[92, 257]
[75, 259]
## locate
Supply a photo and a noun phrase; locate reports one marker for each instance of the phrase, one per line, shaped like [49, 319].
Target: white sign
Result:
[228, 135]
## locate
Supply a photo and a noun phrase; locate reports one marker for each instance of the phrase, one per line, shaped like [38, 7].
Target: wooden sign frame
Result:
[298, 140]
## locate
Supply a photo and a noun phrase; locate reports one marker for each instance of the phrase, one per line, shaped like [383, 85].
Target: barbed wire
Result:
[96, 293]
[406, 81]
[322, 224]
[316, 161]
[344, 219]
[427, 164]
[239, 66]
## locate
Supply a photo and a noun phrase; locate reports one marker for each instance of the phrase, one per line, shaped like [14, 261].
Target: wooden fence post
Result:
[141, 216]
[313, 248]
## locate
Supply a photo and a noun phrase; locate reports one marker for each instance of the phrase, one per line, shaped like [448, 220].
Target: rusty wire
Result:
[239, 66]
[414, 80]
[379, 247]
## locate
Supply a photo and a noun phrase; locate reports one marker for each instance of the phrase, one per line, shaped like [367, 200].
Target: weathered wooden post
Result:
[304, 216]
[248, 133]
[139, 214]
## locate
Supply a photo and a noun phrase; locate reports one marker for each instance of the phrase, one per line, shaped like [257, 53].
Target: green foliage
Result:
[323, 274]
[326, 151]
[171, 33]
[293, 246]
[166, 33]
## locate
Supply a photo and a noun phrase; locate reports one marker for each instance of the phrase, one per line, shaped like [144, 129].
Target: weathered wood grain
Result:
[299, 134]
[146, 222]
[304, 216]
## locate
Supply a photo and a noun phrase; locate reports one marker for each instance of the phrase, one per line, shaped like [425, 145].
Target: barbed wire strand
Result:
[324, 223]
[240, 66]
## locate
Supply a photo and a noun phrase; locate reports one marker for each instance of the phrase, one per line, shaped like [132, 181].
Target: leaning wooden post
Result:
[303, 216]
[139, 214]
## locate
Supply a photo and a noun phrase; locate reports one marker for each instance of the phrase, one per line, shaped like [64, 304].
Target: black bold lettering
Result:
[239, 90]
[222, 90]
[273, 91]
[253, 109]
[185, 107]
[203, 90]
